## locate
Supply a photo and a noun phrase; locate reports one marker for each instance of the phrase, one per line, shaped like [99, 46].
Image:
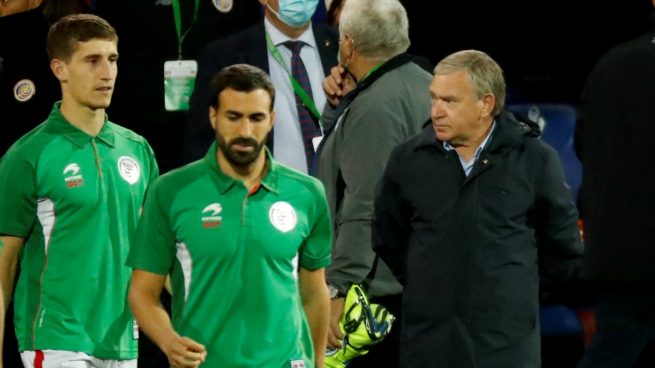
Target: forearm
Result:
[153, 318]
[317, 309]
[316, 304]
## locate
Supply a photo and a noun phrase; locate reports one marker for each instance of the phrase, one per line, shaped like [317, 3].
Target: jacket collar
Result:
[509, 132]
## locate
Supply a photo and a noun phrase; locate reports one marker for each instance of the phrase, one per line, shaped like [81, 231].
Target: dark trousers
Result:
[386, 353]
[625, 335]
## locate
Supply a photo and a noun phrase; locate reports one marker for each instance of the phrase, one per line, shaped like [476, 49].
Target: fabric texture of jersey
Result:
[230, 255]
[75, 199]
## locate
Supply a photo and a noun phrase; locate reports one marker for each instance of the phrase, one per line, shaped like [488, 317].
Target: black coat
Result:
[471, 251]
[615, 140]
[245, 47]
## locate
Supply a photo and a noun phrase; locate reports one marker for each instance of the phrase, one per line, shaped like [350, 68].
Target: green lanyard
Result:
[297, 88]
[177, 15]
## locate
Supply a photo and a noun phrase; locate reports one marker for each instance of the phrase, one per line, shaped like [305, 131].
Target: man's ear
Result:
[213, 116]
[488, 104]
[59, 69]
[272, 119]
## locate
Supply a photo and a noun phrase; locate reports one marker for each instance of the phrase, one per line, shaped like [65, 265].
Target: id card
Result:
[179, 79]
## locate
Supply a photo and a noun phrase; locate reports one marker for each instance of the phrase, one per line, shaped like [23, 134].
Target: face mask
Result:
[295, 13]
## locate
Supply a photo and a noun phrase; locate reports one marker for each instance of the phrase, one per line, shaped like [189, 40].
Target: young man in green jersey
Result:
[70, 196]
[227, 229]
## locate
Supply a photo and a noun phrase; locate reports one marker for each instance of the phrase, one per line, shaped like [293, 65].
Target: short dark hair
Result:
[67, 31]
[242, 78]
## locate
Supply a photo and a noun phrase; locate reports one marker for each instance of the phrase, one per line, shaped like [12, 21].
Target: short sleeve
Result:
[153, 248]
[18, 195]
[316, 251]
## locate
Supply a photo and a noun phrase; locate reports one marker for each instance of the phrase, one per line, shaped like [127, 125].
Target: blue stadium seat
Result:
[557, 122]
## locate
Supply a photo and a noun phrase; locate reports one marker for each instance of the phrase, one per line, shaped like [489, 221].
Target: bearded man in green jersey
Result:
[227, 229]
[70, 196]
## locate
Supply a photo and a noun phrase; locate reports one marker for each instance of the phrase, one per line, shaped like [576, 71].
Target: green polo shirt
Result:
[75, 199]
[230, 256]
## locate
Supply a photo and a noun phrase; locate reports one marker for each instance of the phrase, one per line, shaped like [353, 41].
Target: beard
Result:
[240, 158]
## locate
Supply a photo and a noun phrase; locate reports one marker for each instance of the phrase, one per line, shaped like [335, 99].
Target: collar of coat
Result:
[510, 131]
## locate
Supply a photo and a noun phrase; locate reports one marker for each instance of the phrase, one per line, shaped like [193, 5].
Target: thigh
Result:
[56, 359]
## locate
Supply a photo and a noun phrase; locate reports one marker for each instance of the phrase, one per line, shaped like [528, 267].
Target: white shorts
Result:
[69, 359]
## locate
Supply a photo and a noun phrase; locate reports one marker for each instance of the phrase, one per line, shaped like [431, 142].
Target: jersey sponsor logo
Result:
[72, 177]
[297, 363]
[212, 218]
[129, 170]
[283, 216]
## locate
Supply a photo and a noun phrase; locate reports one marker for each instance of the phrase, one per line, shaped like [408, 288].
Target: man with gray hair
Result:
[377, 99]
[472, 215]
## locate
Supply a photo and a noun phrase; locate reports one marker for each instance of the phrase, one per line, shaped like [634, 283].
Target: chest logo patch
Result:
[212, 218]
[72, 177]
[129, 170]
[283, 216]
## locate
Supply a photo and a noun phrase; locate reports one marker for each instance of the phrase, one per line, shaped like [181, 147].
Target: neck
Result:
[360, 67]
[467, 149]
[251, 175]
[87, 120]
[287, 30]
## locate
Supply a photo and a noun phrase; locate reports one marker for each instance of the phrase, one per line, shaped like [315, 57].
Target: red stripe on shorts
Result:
[38, 359]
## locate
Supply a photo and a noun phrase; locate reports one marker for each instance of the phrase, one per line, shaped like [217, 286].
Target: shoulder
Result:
[128, 135]
[237, 40]
[179, 178]
[291, 178]
[29, 147]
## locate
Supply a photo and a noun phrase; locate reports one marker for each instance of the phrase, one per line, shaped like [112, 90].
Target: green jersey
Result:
[230, 254]
[75, 200]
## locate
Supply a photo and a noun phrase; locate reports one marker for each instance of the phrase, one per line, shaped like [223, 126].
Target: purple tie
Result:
[307, 125]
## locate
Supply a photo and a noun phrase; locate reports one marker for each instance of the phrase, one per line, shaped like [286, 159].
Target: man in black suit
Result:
[318, 52]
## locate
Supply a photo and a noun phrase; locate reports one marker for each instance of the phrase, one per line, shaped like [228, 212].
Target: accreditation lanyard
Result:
[177, 15]
[297, 88]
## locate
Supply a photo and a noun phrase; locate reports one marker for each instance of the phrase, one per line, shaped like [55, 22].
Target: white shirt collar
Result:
[277, 37]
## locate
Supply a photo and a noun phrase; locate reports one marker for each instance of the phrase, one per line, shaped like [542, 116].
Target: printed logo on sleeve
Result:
[211, 218]
[129, 170]
[283, 216]
[297, 364]
[71, 176]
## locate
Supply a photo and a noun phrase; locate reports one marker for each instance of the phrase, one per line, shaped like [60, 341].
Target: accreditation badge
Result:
[179, 79]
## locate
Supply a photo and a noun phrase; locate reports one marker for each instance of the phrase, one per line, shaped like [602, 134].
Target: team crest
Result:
[283, 216]
[223, 6]
[24, 90]
[129, 170]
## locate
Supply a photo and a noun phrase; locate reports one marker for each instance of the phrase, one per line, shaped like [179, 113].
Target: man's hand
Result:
[336, 312]
[182, 352]
[337, 84]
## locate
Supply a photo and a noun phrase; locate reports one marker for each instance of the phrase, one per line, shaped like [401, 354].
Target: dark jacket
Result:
[471, 251]
[615, 140]
[247, 47]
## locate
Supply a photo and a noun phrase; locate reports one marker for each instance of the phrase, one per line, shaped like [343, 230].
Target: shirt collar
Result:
[61, 126]
[277, 37]
[448, 147]
[224, 182]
